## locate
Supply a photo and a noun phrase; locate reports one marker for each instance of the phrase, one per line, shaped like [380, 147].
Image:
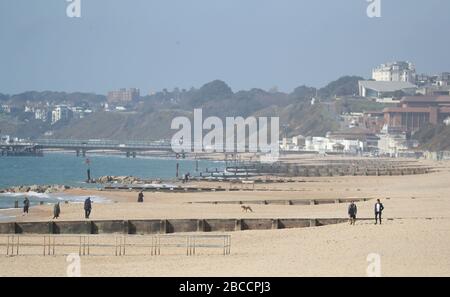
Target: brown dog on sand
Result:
[246, 208]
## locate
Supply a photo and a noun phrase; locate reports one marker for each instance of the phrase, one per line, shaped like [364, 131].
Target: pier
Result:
[20, 151]
[81, 147]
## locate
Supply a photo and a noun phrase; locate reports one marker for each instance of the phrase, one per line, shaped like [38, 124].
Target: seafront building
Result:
[61, 113]
[394, 141]
[415, 112]
[328, 145]
[295, 143]
[385, 91]
[440, 80]
[391, 81]
[395, 72]
[123, 96]
[349, 141]
[42, 114]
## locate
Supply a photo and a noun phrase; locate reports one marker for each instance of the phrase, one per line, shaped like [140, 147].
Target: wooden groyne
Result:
[161, 226]
[294, 170]
[288, 201]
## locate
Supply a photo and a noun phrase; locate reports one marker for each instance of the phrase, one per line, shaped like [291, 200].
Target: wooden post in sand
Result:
[238, 225]
[275, 223]
[200, 225]
[17, 245]
[126, 227]
[163, 226]
[7, 245]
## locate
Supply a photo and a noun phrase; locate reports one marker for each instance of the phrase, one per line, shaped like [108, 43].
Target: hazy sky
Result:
[156, 44]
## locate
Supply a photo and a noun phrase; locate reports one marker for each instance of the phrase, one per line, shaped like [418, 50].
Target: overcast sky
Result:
[156, 44]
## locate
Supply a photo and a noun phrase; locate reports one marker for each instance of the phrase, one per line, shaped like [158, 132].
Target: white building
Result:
[5, 139]
[295, 143]
[329, 145]
[385, 90]
[6, 108]
[351, 120]
[298, 141]
[318, 144]
[61, 112]
[447, 121]
[78, 112]
[286, 144]
[395, 71]
[41, 114]
[29, 109]
[393, 142]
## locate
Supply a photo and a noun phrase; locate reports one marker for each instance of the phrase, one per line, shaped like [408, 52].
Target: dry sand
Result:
[415, 243]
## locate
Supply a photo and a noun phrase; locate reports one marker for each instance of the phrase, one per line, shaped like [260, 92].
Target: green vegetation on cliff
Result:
[434, 137]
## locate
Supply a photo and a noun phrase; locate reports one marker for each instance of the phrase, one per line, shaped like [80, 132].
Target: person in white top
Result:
[378, 210]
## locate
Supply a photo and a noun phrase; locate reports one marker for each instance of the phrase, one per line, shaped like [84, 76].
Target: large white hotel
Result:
[396, 71]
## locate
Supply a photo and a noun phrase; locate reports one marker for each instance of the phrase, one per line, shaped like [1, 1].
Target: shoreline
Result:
[419, 205]
[8, 214]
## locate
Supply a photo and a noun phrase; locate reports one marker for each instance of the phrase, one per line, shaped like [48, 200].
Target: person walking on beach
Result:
[352, 210]
[26, 205]
[141, 197]
[378, 210]
[87, 207]
[56, 211]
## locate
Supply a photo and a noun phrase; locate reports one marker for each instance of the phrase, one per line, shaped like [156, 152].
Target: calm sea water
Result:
[67, 169]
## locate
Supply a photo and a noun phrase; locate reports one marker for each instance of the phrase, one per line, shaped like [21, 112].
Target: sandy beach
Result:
[413, 240]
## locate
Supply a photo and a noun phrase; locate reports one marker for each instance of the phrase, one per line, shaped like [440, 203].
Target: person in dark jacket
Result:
[26, 205]
[378, 210]
[352, 211]
[141, 197]
[56, 211]
[87, 207]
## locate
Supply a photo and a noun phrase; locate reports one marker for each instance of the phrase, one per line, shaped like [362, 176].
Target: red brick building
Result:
[414, 112]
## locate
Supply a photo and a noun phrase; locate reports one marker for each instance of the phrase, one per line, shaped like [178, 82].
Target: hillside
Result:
[121, 126]
[150, 118]
[344, 86]
[434, 138]
[23, 128]
[76, 98]
[302, 118]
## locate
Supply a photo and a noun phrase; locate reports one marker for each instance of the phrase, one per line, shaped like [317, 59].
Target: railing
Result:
[101, 143]
[113, 245]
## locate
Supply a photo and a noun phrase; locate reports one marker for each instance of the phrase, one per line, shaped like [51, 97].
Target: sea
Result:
[68, 169]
